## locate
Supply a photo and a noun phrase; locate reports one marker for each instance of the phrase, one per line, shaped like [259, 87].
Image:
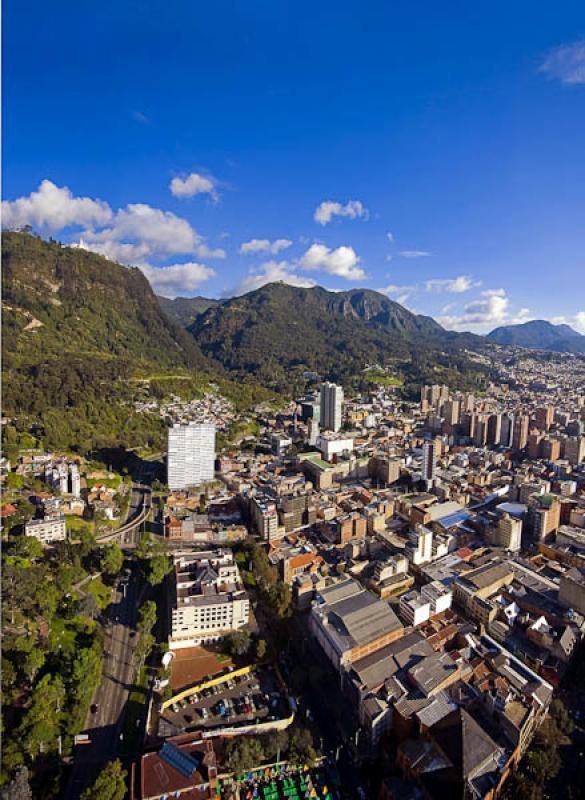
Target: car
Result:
[94, 708]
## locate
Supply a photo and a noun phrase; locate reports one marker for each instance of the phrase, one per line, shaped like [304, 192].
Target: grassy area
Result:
[383, 378]
[111, 483]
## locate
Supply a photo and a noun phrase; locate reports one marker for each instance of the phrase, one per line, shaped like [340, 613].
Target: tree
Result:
[147, 616]
[159, 566]
[301, 749]
[18, 788]
[26, 547]
[41, 725]
[33, 662]
[14, 481]
[243, 753]
[238, 643]
[112, 559]
[260, 649]
[109, 785]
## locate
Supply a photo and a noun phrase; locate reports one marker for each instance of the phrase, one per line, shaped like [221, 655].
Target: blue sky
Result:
[431, 150]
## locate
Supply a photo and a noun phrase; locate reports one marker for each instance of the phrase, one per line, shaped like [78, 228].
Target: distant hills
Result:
[539, 334]
[278, 332]
[185, 310]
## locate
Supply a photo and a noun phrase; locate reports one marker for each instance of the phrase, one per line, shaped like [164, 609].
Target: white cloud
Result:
[328, 209]
[271, 272]
[414, 253]
[157, 233]
[567, 63]
[579, 321]
[203, 251]
[177, 279]
[390, 236]
[264, 246]
[489, 311]
[463, 283]
[398, 293]
[194, 184]
[343, 261]
[54, 208]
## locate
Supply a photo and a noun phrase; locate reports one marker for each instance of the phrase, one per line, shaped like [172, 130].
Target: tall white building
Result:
[331, 406]
[190, 455]
[75, 481]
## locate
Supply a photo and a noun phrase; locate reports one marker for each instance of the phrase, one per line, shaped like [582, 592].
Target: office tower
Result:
[480, 432]
[75, 481]
[190, 455]
[534, 441]
[429, 461]
[494, 429]
[544, 417]
[550, 449]
[509, 533]
[419, 548]
[520, 433]
[575, 450]
[506, 430]
[331, 406]
[450, 411]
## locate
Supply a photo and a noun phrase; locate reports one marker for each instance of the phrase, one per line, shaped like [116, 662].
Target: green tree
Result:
[33, 662]
[238, 643]
[301, 749]
[243, 753]
[14, 481]
[147, 616]
[40, 727]
[109, 785]
[159, 566]
[112, 559]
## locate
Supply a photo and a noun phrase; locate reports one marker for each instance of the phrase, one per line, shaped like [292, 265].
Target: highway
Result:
[104, 727]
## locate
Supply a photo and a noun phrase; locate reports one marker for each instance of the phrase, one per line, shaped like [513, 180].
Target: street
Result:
[104, 727]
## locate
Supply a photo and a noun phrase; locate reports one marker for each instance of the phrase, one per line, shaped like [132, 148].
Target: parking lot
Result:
[243, 700]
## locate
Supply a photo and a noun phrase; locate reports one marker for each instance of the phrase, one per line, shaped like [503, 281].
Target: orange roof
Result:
[7, 509]
[302, 560]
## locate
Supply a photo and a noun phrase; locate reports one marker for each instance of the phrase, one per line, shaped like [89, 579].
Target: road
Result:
[105, 726]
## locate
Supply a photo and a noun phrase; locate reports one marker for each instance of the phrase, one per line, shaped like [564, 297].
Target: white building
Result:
[419, 548]
[190, 455]
[208, 600]
[331, 406]
[51, 529]
[414, 609]
[75, 481]
[331, 444]
[438, 595]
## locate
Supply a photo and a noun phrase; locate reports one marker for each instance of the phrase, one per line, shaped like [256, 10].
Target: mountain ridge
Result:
[539, 334]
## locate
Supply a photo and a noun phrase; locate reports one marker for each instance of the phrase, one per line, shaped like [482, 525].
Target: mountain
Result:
[539, 334]
[184, 310]
[77, 329]
[279, 331]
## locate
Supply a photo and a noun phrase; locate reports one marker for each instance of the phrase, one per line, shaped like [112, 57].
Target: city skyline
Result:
[435, 158]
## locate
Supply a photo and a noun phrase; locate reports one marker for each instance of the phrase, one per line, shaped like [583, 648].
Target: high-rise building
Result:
[520, 433]
[190, 455]
[575, 449]
[450, 412]
[429, 461]
[544, 417]
[506, 430]
[494, 429]
[331, 406]
[509, 533]
[313, 431]
[75, 481]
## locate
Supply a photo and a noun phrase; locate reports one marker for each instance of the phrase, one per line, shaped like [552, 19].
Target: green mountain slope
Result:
[185, 310]
[77, 329]
[279, 331]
